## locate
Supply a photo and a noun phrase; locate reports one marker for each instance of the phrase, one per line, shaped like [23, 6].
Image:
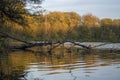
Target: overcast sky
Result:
[99, 8]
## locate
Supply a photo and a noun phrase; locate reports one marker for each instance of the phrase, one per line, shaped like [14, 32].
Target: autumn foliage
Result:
[55, 26]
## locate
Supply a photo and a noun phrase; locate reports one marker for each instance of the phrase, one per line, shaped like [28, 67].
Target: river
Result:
[61, 64]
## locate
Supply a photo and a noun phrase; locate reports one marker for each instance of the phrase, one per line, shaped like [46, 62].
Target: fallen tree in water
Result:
[28, 44]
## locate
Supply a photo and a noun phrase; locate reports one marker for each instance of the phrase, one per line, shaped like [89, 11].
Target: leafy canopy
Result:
[13, 10]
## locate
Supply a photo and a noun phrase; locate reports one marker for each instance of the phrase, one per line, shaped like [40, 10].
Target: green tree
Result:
[13, 10]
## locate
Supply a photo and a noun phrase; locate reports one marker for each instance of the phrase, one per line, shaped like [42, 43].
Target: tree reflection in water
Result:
[18, 65]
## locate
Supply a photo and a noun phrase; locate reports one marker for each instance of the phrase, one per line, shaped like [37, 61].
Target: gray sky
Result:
[99, 8]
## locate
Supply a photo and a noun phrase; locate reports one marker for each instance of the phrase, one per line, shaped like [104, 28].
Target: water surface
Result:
[60, 65]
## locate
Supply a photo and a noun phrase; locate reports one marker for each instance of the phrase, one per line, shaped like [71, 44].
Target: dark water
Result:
[60, 65]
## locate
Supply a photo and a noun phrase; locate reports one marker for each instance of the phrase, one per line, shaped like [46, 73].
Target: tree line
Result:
[60, 26]
[72, 26]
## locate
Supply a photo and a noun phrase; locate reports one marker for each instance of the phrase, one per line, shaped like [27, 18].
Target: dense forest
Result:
[55, 26]
[59, 26]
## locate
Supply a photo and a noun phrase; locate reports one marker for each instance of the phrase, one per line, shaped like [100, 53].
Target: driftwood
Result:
[34, 44]
[78, 44]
